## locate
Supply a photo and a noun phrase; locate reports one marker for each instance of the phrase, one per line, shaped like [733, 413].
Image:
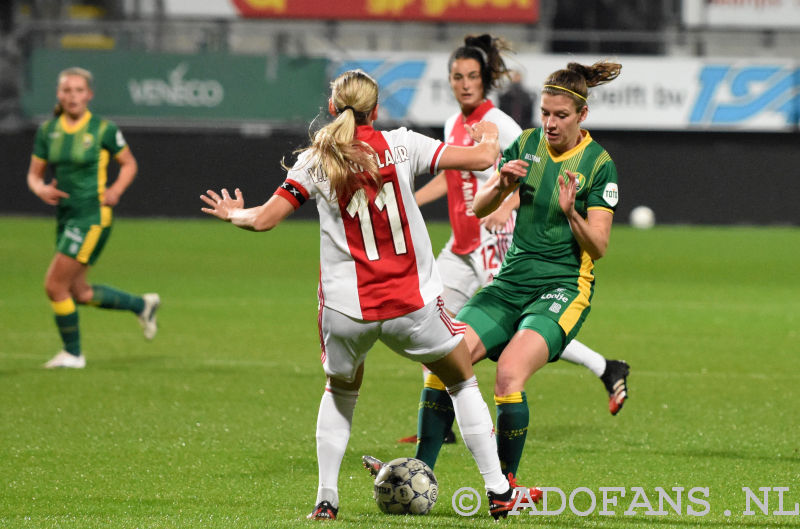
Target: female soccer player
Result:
[476, 248]
[78, 145]
[539, 299]
[378, 280]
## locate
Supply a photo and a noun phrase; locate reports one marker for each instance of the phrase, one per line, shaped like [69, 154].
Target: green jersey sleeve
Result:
[40, 147]
[113, 140]
[604, 192]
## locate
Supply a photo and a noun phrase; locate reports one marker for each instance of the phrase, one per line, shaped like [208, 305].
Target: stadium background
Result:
[703, 124]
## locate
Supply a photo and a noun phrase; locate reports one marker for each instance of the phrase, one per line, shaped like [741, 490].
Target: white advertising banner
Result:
[742, 13]
[651, 94]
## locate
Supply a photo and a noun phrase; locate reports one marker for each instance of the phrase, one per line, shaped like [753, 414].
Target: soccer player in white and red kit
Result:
[477, 247]
[378, 279]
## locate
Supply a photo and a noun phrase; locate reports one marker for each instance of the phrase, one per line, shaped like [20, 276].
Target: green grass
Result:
[211, 425]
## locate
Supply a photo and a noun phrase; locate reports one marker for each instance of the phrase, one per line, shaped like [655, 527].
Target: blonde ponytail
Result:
[348, 163]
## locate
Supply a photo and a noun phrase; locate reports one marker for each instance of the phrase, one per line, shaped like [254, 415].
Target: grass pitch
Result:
[211, 425]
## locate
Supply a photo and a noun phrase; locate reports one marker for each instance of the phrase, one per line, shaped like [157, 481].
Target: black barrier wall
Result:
[685, 177]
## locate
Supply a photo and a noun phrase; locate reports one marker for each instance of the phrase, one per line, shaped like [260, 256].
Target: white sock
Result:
[334, 421]
[577, 353]
[477, 430]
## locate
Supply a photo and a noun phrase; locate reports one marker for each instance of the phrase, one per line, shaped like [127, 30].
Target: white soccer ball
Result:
[642, 217]
[406, 486]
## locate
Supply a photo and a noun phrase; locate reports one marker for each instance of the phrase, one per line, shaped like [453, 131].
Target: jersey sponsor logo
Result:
[532, 158]
[120, 139]
[176, 91]
[54, 135]
[611, 194]
[74, 234]
[398, 81]
[555, 295]
[555, 307]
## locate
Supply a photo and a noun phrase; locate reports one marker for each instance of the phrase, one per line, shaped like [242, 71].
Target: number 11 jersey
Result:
[376, 260]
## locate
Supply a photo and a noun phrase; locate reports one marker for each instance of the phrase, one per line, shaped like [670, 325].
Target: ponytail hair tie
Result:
[346, 107]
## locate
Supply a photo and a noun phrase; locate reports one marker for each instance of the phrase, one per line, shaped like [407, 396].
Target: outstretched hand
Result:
[222, 206]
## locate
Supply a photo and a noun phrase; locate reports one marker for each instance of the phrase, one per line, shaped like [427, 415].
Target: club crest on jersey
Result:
[87, 140]
[581, 180]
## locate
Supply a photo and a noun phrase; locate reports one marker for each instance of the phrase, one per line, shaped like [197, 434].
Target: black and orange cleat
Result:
[323, 511]
[615, 379]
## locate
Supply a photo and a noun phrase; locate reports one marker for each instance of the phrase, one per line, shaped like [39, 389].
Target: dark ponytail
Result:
[487, 51]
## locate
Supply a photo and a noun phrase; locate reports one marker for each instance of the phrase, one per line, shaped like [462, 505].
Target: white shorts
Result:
[464, 275]
[425, 335]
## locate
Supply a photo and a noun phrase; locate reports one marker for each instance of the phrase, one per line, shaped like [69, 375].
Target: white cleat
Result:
[66, 360]
[147, 318]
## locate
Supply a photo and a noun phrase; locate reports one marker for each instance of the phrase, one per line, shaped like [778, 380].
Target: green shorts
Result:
[82, 242]
[555, 312]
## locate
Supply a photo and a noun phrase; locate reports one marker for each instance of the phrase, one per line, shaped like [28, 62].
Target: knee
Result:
[54, 290]
[82, 296]
[507, 383]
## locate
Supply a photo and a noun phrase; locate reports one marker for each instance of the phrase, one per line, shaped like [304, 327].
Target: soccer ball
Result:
[642, 217]
[406, 486]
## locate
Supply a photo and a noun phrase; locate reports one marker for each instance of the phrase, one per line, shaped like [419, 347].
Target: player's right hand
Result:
[222, 206]
[50, 194]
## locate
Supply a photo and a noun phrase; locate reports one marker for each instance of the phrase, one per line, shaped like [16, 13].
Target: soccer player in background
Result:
[78, 145]
[378, 279]
[476, 248]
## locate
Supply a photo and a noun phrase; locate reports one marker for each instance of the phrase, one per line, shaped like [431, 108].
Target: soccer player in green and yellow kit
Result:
[542, 293]
[78, 145]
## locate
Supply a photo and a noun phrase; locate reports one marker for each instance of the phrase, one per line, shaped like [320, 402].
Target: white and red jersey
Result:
[376, 260]
[462, 185]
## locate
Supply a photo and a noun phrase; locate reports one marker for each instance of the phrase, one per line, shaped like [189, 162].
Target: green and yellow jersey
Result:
[544, 248]
[79, 155]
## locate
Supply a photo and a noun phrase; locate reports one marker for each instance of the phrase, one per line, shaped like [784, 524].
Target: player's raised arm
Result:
[231, 209]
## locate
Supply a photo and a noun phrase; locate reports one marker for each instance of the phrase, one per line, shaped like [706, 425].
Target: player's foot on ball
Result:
[373, 464]
[615, 380]
[323, 511]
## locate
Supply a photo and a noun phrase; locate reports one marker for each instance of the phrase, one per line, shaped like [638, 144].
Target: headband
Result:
[482, 53]
[565, 89]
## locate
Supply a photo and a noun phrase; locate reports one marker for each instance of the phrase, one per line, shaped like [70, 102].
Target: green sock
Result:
[435, 419]
[513, 417]
[70, 332]
[107, 297]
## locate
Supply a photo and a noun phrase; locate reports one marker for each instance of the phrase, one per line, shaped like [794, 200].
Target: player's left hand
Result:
[495, 221]
[567, 191]
[111, 197]
[222, 206]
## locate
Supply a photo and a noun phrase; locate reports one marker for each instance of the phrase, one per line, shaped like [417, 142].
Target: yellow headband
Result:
[565, 89]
